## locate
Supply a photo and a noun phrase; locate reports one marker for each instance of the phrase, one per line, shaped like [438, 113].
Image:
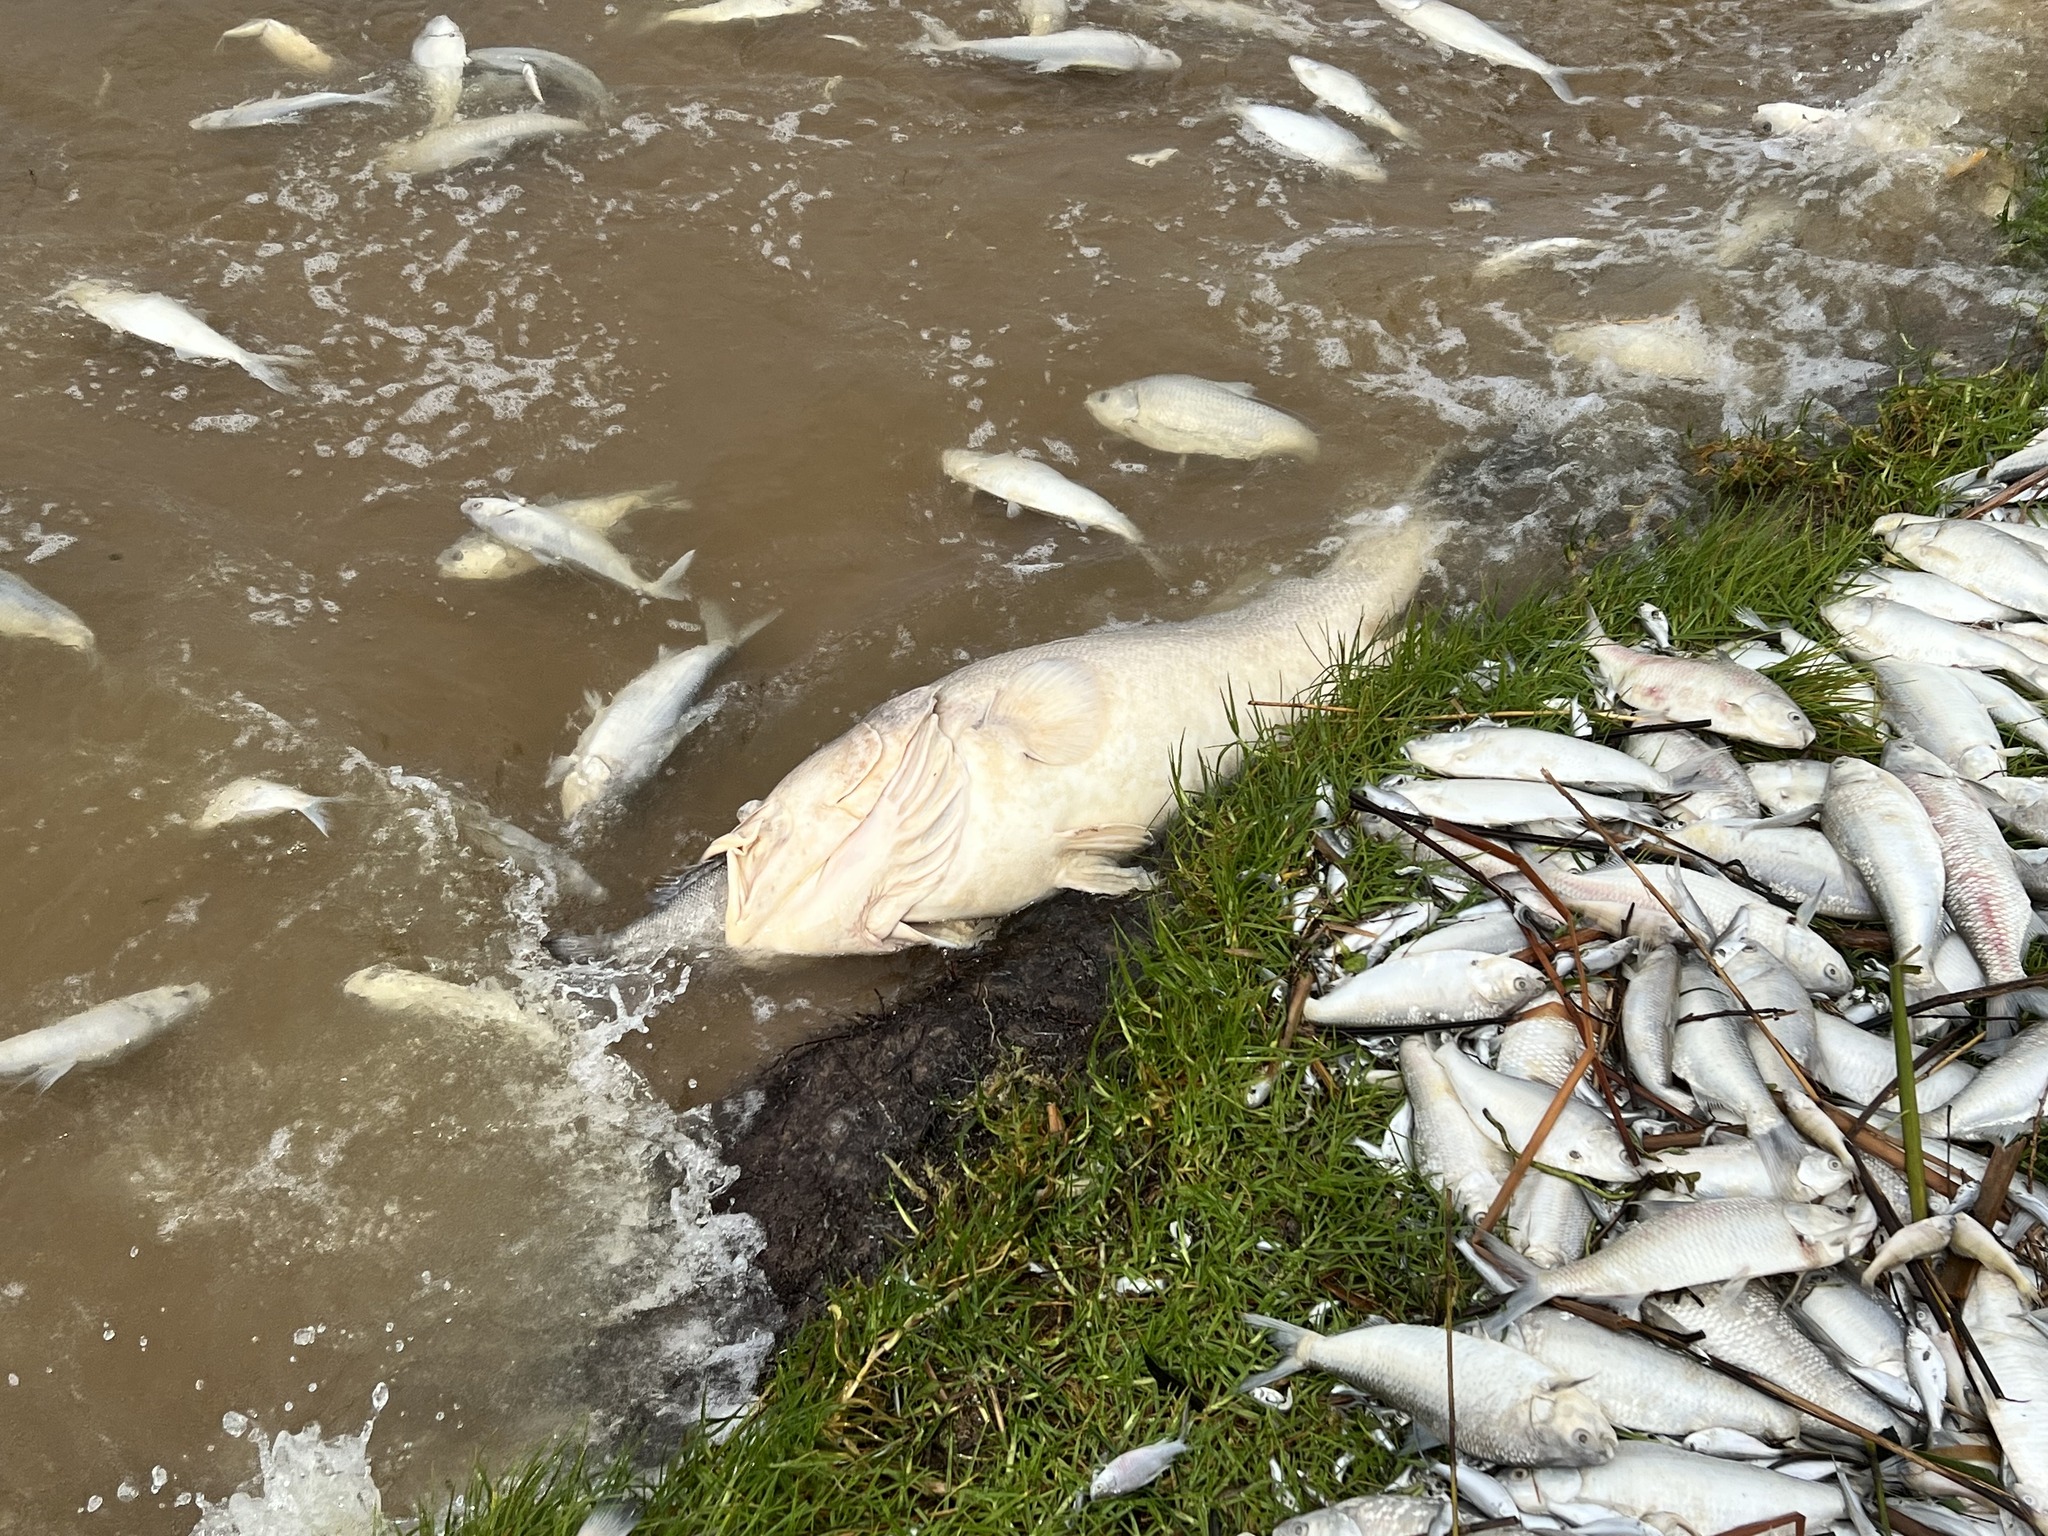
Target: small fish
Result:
[1736, 1169]
[1860, 1326]
[1524, 254]
[1682, 1491]
[688, 918]
[1516, 752]
[154, 317]
[479, 557]
[1179, 413]
[1022, 482]
[1716, 788]
[259, 111]
[1794, 784]
[1042, 16]
[1310, 137]
[1509, 1406]
[554, 539]
[1649, 1012]
[1152, 158]
[629, 739]
[1133, 1470]
[1796, 863]
[1859, 1065]
[1446, 986]
[1732, 700]
[1711, 1053]
[1447, 1147]
[477, 138]
[288, 45]
[258, 799]
[1090, 49]
[1461, 32]
[438, 56]
[1884, 834]
[28, 614]
[524, 851]
[1958, 1231]
[1512, 803]
[1344, 91]
[98, 1035]
[1371, 1514]
[1581, 1140]
[1981, 889]
[1926, 1369]
[2003, 1102]
[578, 79]
[487, 1003]
[735, 10]
[2017, 1354]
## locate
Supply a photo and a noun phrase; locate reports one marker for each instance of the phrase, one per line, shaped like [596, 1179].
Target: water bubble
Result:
[379, 1396]
[303, 1336]
[93, 1503]
[157, 1478]
[127, 1493]
[236, 1424]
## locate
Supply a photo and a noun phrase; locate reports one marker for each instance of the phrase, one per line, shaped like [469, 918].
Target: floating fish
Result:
[479, 557]
[288, 45]
[1022, 482]
[485, 1003]
[1179, 413]
[438, 56]
[28, 614]
[154, 317]
[719, 11]
[1461, 32]
[263, 110]
[258, 799]
[477, 138]
[1344, 91]
[578, 79]
[1089, 49]
[688, 919]
[554, 538]
[97, 1036]
[1310, 137]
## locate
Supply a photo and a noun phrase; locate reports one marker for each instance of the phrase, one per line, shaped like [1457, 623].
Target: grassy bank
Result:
[971, 1388]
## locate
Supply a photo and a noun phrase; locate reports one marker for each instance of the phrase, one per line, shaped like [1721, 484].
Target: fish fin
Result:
[1239, 387]
[754, 626]
[717, 623]
[263, 369]
[1045, 67]
[1011, 509]
[1596, 633]
[576, 948]
[1053, 709]
[1097, 875]
[593, 701]
[1807, 909]
[1154, 559]
[610, 1520]
[558, 770]
[316, 812]
[382, 95]
[1750, 617]
[955, 932]
[1287, 1338]
[1563, 91]
[669, 583]
[1781, 1147]
[45, 1076]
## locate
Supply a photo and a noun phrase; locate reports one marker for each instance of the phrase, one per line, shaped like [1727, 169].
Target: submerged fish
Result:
[556, 539]
[1236, 16]
[735, 10]
[479, 557]
[1461, 32]
[1042, 16]
[28, 614]
[258, 111]
[154, 317]
[288, 45]
[1664, 347]
[578, 79]
[477, 138]
[1037, 770]
[1509, 1406]
[1023, 482]
[438, 56]
[1344, 91]
[98, 1035]
[257, 799]
[629, 739]
[489, 1003]
[524, 851]
[688, 918]
[1179, 413]
[1308, 136]
[1084, 48]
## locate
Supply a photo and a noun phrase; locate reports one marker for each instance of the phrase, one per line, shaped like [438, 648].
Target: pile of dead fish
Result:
[1651, 1044]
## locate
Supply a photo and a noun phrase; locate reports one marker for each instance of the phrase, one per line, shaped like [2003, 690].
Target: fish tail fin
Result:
[383, 95]
[610, 1520]
[663, 497]
[315, 811]
[577, 948]
[1155, 560]
[1561, 88]
[1527, 1294]
[754, 626]
[266, 368]
[1405, 134]
[718, 630]
[1291, 1340]
[1596, 632]
[669, 583]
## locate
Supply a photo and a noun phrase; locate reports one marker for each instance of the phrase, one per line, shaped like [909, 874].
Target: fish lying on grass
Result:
[1459, 31]
[1088, 49]
[438, 56]
[1309, 137]
[1447, 1147]
[553, 537]
[259, 799]
[28, 614]
[261, 111]
[1179, 413]
[629, 739]
[1345, 92]
[479, 557]
[1022, 482]
[1688, 1494]
[1448, 986]
[1131, 1471]
[478, 138]
[1732, 700]
[1514, 752]
[97, 1036]
[1510, 1406]
[155, 317]
[287, 44]
[1883, 834]
[1372, 1514]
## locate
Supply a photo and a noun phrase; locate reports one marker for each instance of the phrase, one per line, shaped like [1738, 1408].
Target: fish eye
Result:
[1582, 1437]
[1576, 1156]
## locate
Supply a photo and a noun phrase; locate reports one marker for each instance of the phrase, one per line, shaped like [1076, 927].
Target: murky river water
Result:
[792, 268]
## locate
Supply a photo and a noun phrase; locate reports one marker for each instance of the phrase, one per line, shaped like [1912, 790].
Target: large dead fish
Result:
[1037, 770]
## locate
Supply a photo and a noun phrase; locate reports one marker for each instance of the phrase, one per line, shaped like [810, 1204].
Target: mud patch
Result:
[890, 1085]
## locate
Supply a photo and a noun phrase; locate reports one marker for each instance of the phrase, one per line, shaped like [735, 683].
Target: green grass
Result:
[2024, 222]
[972, 1386]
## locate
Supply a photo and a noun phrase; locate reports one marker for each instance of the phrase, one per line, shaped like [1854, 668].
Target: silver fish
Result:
[1643, 1386]
[2019, 715]
[256, 799]
[576, 78]
[1747, 1327]
[1872, 628]
[1934, 708]
[1687, 1494]
[610, 1520]
[1712, 1054]
[1715, 785]
[1510, 1407]
[1649, 1009]
[1023, 482]
[688, 919]
[719, 11]
[1372, 1514]
[1135, 1469]
[1179, 413]
[1515, 752]
[1308, 136]
[1581, 1139]
[438, 56]
[288, 45]
[477, 138]
[1732, 700]
[554, 539]
[1090, 49]
[487, 1004]
[1549, 1219]
[520, 848]
[1858, 1065]
[28, 614]
[1449, 1149]
[2017, 1353]
[1446, 986]
[1860, 1326]
[1539, 1047]
[1980, 888]
[1782, 788]
[98, 1035]
[2004, 1101]
[1704, 1244]
[629, 739]
[1736, 1169]
[1933, 595]
[1350, 95]
[262, 110]
[1797, 863]
[155, 317]
[1884, 834]
[1461, 32]
[1507, 803]
[479, 557]
[1977, 556]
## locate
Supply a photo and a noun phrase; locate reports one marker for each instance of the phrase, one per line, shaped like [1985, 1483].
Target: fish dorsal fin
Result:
[1052, 708]
[1239, 387]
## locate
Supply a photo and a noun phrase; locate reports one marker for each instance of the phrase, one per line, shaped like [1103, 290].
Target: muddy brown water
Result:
[791, 268]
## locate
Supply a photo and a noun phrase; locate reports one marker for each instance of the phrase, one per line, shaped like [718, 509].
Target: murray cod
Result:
[1035, 771]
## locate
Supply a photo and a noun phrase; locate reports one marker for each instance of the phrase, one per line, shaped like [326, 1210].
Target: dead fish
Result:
[1448, 1148]
[719, 11]
[1134, 1470]
[1957, 1230]
[1372, 1514]
[1022, 482]
[489, 1004]
[478, 138]
[479, 557]
[1686, 1493]
[688, 919]
[558, 69]
[438, 57]
[28, 614]
[1350, 95]
[1310, 137]
[1445, 986]
[1460, 31]
[1931, 594]
[288, 45]
[1874, 628]
[2003, 1101]
[524, 851]
[1179, 413]
[98, 1035]
[1663, 347]
[1089, 49]
[257, 799]
[1236, 16]
[1732, 700]
[155, 317]
[263, 110]
[1884, 834]
[1524, 254]
[1517, 752]
[555, 539]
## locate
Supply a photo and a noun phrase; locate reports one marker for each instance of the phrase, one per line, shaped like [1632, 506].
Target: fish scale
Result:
[1683, 1491]
[1886, 837]
[1750, 1330]
[1981, 889]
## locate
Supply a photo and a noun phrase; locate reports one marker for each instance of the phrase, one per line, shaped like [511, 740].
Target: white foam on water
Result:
[306, 1485]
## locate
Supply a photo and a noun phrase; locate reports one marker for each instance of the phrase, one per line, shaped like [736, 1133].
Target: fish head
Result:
[1572, 1428]
[1508, 981]
[85, 292]
[1902, 756]
[1118, 408]
[1164, 60]
[476, 559]
[960, 463]
[484, 510]
[440, 45]
[1821, 1174]
[585, 786]
[1772, 719]
[166, 1005]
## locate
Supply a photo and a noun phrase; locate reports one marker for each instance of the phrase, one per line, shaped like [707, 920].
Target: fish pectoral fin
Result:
[1239, 387]
[1052, 708]
[46, 1076]
[953, 932]
[558, 770]
[1100, 875]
